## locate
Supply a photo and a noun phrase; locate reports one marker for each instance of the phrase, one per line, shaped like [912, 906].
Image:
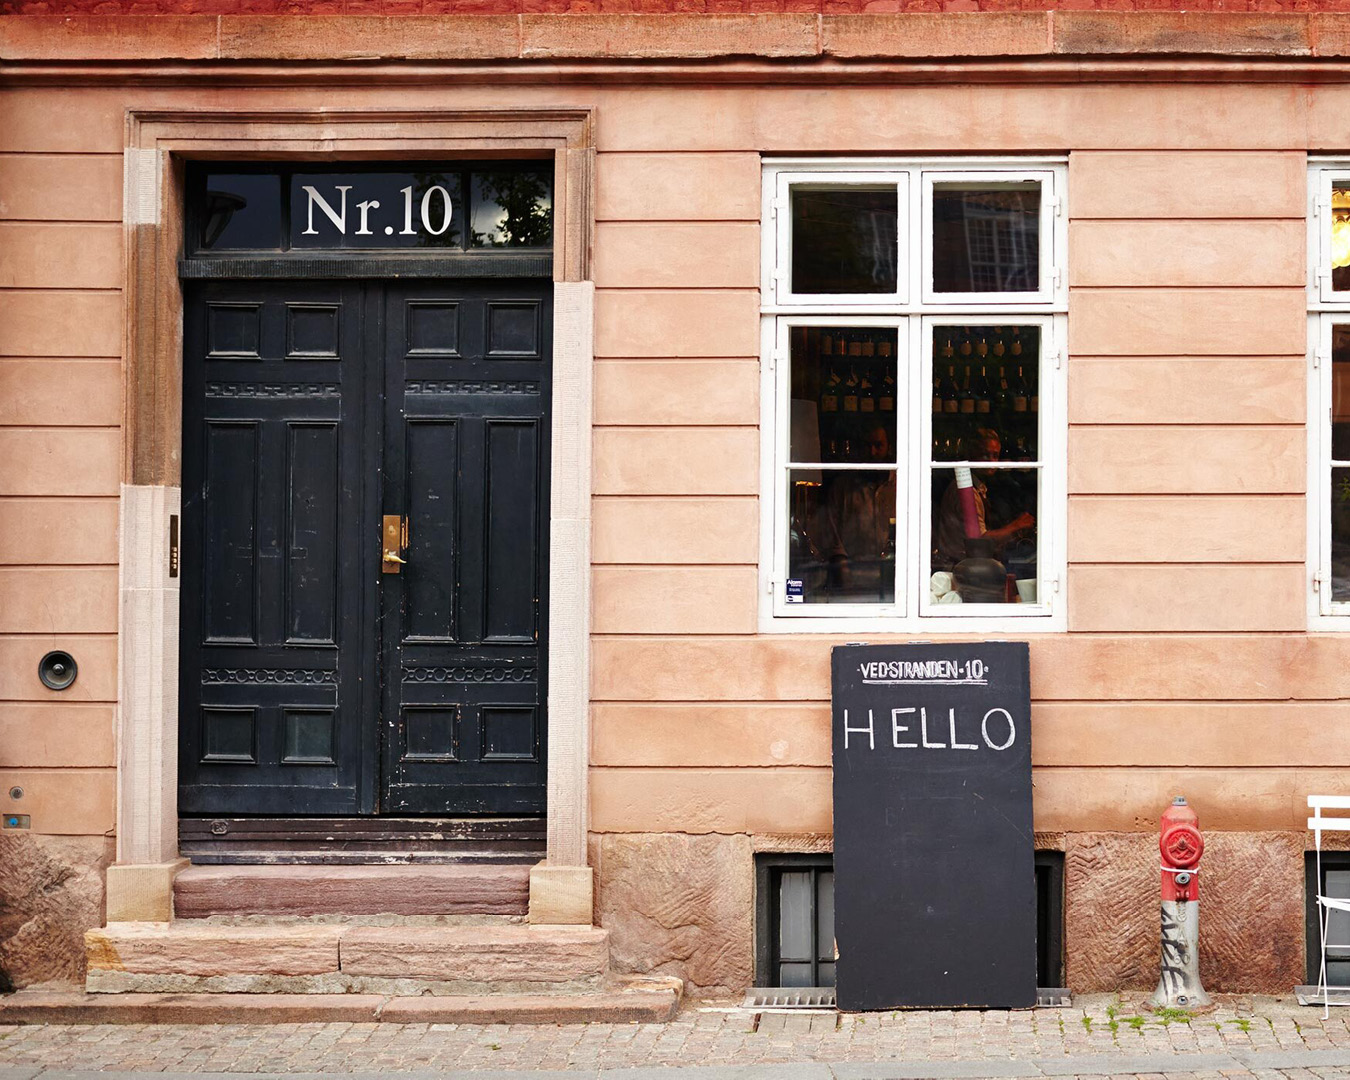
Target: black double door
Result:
[364, 548]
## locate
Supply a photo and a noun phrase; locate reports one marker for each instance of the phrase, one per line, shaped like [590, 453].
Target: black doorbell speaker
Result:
[57, 670]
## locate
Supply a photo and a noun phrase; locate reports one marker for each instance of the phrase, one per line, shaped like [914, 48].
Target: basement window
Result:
[794, 920]
[1335, 883]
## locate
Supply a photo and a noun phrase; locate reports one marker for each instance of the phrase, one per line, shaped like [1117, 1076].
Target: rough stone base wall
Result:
[1251, 912]
[684, 905]
[51, 892]
[678, 905]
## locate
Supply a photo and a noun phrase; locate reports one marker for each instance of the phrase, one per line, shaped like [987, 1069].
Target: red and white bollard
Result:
[1181, 845]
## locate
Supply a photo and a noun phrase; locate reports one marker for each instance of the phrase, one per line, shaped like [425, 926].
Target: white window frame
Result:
[782, 206]
[1322, 177]
[1050, 523]
[914, 316]
[781, 432]
[1053, 239]
[1326, 309]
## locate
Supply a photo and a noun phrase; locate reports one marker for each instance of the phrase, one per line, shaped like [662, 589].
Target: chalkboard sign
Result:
[935, 897]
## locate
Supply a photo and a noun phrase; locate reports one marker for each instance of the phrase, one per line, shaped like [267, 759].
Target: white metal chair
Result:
[1319, 823]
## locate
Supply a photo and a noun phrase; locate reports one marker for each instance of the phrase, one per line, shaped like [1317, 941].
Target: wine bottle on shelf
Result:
[999, 347]
[851, 391]
[867, 393]
[1002, 395]
[950, 402]
[886, 395]
[983, 397]
[966, 397]
[1019, 390]
[829, 395]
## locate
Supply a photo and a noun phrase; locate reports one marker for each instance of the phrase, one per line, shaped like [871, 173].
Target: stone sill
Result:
[876, 37]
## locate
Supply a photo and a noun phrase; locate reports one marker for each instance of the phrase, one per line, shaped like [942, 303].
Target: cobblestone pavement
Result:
[1101, 1035]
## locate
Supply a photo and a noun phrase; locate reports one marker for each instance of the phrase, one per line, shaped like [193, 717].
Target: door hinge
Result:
[1059, 359]
[1057, 204]
[1057, 277]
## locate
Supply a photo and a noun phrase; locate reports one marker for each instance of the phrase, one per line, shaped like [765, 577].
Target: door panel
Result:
[431, 476]
[311, 682]
[273, 651]
[466, 460]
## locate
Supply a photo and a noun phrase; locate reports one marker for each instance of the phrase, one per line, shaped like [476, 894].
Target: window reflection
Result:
[512, 209]
[844, 240]
[1340, 237]
[985, 412]
[843, 412]
[986, 237]
[241, 211]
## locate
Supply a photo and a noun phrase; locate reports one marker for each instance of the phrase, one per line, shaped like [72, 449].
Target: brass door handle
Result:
[395, 532]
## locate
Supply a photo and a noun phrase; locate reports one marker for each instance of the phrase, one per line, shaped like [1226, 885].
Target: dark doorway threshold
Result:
[355, 841]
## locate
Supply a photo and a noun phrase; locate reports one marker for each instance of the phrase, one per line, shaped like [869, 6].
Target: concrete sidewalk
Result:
[1101, 1035]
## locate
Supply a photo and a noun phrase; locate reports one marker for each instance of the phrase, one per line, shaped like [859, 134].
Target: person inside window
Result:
[949, 533]
[854, 529]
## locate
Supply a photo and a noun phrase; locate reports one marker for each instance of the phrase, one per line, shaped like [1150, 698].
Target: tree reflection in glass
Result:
[511, 209]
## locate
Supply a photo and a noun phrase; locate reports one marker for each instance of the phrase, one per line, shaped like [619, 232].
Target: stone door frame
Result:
[157, 146]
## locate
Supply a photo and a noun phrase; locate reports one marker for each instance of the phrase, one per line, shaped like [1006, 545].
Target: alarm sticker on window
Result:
[795, 592]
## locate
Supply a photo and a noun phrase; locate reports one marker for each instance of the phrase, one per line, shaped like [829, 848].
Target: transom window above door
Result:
[914, 418]
[350, 206]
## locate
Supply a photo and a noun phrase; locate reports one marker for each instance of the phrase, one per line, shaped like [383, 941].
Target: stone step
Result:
[619, 1001]
[194, 956]
[201, 892]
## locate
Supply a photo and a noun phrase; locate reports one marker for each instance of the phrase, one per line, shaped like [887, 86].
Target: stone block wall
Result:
[51, 892]
[683, 905]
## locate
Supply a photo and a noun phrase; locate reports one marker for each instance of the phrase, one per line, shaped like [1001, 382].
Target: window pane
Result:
[844, 239]
[843, 394]
[1340, 236]
[241, 211]
[825, 919]
[1338, 928]
[986, 393]
[795, 901]
[512, 208]
[1340, 534]
[985, 537]
[841, 543]
[1340, 393]
[987, 237]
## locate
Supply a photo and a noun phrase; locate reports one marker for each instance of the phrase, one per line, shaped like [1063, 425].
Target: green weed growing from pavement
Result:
[1243, 1024]
[1137, 1022]
[1087, 1024]
[1167, 1016]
